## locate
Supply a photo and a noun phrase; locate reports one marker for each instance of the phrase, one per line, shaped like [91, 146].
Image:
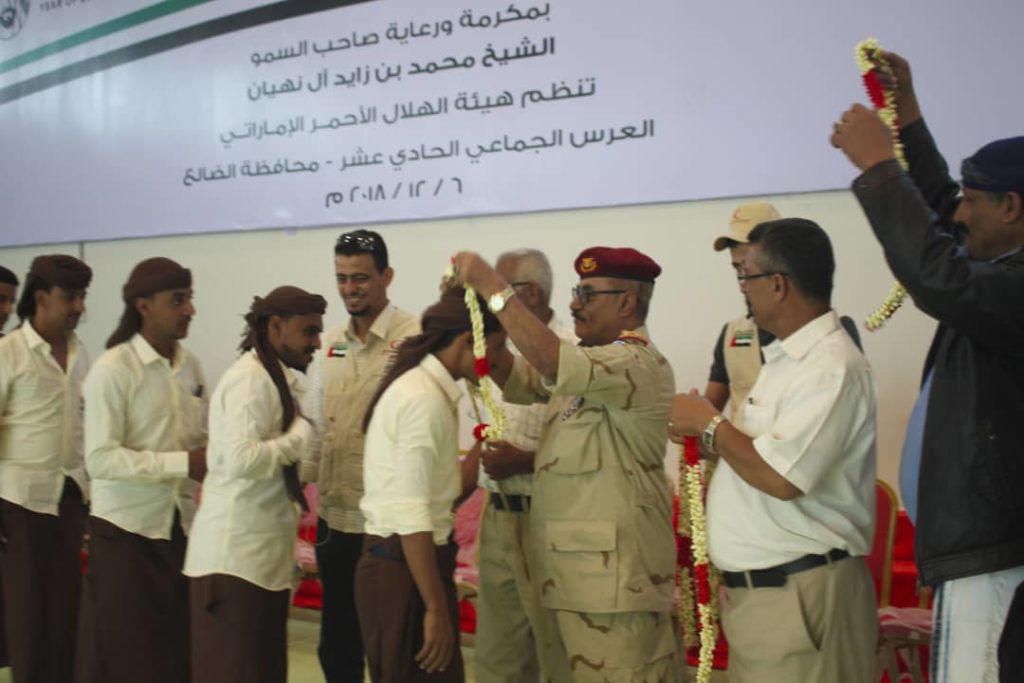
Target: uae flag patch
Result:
[742, 339]
[337, 350]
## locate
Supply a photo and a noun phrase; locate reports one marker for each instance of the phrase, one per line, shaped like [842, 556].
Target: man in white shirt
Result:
[405, 591]
[8, 295]
[43, 485]
[241, 552]
[791, 507]
[145, 438]
[344, 379]
[508, 601]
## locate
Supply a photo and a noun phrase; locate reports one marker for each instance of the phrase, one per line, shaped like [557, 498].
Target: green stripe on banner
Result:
[267, 14]
[103, 30]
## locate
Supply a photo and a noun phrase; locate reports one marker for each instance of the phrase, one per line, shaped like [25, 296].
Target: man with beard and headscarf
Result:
[8, 295]
[343, 380]
[145, 450]
[405, 592]
[241, 552]
[43, 485]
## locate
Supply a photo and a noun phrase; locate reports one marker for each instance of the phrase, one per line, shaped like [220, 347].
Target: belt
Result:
[510, 503]
[775, 577]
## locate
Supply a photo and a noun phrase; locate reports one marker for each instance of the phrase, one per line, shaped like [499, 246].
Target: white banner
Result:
[192, 116]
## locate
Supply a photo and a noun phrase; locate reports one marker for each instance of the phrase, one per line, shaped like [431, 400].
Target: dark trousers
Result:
[134, 623]
[239, 631]
[391, 612]
[341, 643]
[42, 583]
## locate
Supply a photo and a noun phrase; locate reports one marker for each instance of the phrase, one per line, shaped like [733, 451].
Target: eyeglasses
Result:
[362, 242]
[768, 273]
[585, 294]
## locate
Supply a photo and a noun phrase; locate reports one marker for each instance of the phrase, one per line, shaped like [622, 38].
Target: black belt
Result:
[775, 577]
[515, 503]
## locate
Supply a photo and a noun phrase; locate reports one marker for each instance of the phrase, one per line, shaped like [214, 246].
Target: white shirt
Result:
[523, 424]
[143, 414]
[411, 458]
[246, 524]
[811, 414]
[40, 420]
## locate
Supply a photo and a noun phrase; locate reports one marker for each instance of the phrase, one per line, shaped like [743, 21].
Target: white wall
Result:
[695, 295]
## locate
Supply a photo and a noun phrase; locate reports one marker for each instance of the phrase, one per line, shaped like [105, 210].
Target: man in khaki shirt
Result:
[601, 514]
[344, 379]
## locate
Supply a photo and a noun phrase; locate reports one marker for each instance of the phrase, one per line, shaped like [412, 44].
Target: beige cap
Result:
[745, 218]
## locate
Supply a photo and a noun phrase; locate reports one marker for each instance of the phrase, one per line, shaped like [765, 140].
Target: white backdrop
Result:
[398, 110]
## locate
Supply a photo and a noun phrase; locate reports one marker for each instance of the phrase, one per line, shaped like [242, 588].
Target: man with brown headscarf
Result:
[241, 553]
[42, 480]
[404, 588]
[145, 442]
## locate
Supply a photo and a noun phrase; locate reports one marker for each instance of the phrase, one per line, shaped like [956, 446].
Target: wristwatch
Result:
[498, 301]
[707, 437]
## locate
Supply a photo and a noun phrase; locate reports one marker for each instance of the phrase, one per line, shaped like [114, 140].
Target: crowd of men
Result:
[190, 497]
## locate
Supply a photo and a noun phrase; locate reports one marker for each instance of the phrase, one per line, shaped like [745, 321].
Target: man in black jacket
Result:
[959, 254]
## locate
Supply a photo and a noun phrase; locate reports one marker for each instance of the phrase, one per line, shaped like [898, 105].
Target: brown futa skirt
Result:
[134, 619]
[41, 571]
[391, 612]
[239, 631]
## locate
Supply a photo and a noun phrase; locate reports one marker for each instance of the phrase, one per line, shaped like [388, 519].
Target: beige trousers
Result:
[508, 605]
[822, 626]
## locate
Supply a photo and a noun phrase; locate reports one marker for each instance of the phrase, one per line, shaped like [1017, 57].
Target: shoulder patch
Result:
[337, 350]
[631, 338]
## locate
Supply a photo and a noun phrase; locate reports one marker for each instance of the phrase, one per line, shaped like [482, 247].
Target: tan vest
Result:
[348, 387]
[742, 360]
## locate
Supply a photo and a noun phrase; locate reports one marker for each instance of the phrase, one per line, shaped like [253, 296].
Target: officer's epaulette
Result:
[631, 337]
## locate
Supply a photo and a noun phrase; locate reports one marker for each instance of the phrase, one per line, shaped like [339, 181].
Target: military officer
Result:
[601, 516]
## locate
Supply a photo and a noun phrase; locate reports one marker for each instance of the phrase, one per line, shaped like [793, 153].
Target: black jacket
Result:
[970, 517]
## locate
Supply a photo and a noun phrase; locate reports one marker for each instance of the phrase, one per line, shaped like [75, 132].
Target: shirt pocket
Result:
[582, 564]
[756, 419]
[574, 447]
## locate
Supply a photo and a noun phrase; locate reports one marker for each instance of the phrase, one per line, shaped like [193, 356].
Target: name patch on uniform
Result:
[338, 350]
[742, 339]
[573, 408]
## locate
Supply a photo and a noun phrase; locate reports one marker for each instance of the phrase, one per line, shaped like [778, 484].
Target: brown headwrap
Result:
[284, 301]
[148, 277]
[61, 270]
[440, 323]
[54, 270]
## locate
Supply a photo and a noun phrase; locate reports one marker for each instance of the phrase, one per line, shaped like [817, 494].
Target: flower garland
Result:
[706, 621]
[870, 58]
[482, 431]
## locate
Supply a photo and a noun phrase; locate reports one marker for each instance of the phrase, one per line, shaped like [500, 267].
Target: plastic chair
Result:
[901, 630]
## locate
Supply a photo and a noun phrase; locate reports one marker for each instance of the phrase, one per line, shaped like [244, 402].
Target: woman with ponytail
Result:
[405, 594]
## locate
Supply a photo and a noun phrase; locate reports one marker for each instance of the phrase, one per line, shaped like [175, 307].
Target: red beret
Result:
[619, 262]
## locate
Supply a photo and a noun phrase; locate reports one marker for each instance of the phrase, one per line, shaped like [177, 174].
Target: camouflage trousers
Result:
[618, 647]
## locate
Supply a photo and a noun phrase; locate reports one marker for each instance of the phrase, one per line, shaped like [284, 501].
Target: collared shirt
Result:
[344, 378]
[143, 414]
[246, 524]
[40, 420]
[411, 462]
[811, 415]
[523, 424]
